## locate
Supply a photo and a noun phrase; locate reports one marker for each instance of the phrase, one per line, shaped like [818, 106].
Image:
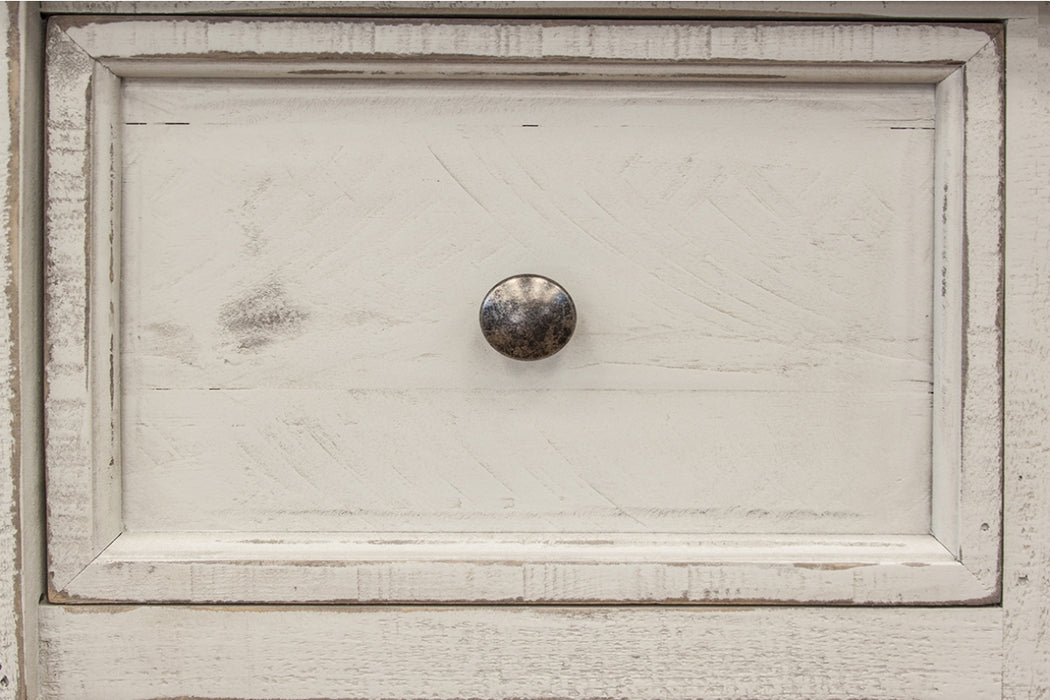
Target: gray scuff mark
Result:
[261, 315]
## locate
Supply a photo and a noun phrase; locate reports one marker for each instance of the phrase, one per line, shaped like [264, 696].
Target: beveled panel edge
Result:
[682, 41]
[334, 568]
[80, 385]
[981, 468]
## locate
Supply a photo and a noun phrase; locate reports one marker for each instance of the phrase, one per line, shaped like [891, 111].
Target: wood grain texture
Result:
[948, 659]
[11, 619]
[982, 388]
[83, 481]
[561, 652]
[561, 69]
[684, 41]
[21, 477]
[658, 9]
[405, 567]
[948, 331]
[524, 461]
[30, 242]
[1026, 553]
[704, 392]
[465, 198]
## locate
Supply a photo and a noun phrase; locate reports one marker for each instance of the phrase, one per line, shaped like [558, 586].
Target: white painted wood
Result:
[968, 312]
[652, 9]
[952, 661]
[355, 229]
[948, 332]
[276, 567]
[449, 69]
[816, 42]
[104, 278]
[339, 652]
[82, 471]
[525, 461]
[1026, 551]
[11, 620]
[21, 482]
[980, 517]
[379, 360]
[10, 612]
[32, 575]
[193, 380]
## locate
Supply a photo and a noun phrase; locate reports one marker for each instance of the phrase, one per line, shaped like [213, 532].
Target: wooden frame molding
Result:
[92, 559]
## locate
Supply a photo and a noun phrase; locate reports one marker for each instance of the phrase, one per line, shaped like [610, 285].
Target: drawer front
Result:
[268, 242]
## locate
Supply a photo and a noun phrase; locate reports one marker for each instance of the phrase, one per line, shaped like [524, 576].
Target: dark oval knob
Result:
[528, 317]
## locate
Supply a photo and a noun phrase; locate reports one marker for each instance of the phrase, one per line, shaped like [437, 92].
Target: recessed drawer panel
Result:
[303, 264]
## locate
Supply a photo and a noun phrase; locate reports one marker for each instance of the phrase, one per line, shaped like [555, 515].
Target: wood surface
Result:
[563, 652]
[80, 395]
[393, 364]
[1027, 584]
[300, 338]
[653, 9]
[1026, 493]
[21, 475]
[10, 547]
[815, 43]
[981, 390]
[931, 653]
[598, 569]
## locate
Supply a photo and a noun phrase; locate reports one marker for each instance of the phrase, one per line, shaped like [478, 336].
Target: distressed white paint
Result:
[175, 652]
[948, 331]
[21, 480]
[525, 460]
[621, 9]
[335, 360]
[458, 69]
[81, 469]
[968, 312]
[300, 333]
[338, 652]
[816, 42]
[980, 515]
[10, 547]
[1026, 523]
[281, 568]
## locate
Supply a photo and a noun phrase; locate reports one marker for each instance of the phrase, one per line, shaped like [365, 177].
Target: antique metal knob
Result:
[528, 317]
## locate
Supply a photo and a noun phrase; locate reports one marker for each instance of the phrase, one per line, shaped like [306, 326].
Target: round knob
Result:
[528, 317]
